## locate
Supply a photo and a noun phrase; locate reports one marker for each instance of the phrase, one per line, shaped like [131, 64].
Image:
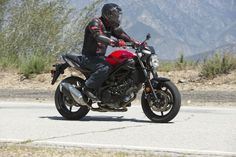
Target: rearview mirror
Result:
[148, 36]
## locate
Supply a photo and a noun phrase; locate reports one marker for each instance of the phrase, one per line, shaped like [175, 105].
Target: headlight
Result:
[154, 61]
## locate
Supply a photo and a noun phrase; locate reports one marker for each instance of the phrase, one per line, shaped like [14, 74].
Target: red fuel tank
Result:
[119, 56]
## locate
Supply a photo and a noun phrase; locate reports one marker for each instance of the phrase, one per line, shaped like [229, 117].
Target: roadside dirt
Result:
[24, 150]
[194, 90]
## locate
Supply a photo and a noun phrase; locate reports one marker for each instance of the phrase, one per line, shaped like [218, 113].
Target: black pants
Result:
[100, 70]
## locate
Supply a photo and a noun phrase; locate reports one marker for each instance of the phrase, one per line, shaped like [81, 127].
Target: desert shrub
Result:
[166, 66]
[217, 65]
[180, 64]
[8, 62]
[35, 32]
[34, 64]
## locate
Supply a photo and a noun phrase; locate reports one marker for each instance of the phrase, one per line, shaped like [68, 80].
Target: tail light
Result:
[53, 73]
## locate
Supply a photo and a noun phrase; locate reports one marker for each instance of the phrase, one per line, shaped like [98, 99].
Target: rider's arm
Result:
[119, 33]
[96, 30]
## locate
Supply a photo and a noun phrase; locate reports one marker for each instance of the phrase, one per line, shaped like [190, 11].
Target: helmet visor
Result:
[116, 17]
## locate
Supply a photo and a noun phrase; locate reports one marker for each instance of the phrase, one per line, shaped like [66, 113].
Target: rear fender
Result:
[59, 69]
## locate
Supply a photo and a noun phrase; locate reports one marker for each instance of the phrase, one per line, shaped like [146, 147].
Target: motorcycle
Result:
[132, 71]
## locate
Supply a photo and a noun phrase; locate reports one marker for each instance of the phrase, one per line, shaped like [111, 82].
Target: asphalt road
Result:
[198, 130]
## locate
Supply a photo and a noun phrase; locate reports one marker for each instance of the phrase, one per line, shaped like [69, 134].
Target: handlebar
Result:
[139, 46]
[129, 44]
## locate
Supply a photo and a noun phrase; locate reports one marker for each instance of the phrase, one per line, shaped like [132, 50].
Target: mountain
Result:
[180, 26]
[229, 49]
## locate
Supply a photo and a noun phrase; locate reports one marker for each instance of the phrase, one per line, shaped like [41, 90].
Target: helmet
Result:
[112, 13]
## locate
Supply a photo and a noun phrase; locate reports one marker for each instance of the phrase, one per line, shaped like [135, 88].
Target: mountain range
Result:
[227, 49]
[179, 26]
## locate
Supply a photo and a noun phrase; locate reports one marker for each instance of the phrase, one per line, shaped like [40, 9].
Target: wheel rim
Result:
[163, 106]
[70, 105]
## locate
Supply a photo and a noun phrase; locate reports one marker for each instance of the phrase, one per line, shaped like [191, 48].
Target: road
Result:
[199, 130]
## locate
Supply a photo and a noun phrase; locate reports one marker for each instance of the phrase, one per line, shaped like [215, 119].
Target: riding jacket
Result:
[98, 36]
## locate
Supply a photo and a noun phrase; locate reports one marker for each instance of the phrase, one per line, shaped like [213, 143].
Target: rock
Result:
[195, 79]
[22, 78]
[182, 81]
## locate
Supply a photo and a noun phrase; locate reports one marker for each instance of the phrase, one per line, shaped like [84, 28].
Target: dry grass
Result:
[30, 151]
[218, 65]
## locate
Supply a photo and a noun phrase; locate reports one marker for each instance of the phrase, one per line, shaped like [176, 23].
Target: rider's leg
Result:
[101, 70]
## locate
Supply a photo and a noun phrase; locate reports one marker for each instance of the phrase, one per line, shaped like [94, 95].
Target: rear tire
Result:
[176, 103]
[61, 106]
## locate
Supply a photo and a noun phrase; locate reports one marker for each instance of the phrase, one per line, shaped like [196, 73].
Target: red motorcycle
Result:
[131, 72]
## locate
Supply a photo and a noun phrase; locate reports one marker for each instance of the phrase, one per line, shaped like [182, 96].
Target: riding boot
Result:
[89, 92]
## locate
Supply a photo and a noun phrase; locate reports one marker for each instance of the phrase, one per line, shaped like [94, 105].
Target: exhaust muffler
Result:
[72, 92]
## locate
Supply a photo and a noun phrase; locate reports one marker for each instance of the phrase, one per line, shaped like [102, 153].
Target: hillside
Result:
[230, 48]
[177, 26]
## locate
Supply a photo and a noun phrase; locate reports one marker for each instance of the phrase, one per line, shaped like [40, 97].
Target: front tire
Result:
[64, 105]
[168, 93]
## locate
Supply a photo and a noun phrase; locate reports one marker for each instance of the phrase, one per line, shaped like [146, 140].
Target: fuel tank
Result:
[119, 56]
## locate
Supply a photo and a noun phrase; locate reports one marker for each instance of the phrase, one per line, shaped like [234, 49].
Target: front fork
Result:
[149, 84]
[148, 81]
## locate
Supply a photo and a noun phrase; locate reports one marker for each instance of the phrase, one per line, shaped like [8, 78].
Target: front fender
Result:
[156, 81]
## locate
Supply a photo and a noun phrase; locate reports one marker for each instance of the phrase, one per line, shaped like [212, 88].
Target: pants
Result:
[100, 70]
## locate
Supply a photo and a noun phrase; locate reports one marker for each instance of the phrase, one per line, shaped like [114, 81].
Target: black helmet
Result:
[112, 13]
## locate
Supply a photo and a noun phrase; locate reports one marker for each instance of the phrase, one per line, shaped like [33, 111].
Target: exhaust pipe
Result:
[73, 93]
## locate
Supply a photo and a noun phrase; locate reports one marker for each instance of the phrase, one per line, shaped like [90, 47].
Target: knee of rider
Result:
[105, 69]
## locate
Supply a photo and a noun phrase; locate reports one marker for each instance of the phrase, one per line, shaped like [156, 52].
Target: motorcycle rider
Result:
[96, 39]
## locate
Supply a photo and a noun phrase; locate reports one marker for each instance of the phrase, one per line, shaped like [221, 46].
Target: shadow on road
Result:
[102, 119]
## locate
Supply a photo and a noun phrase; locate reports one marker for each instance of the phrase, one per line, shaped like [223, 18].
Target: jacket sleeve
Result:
[119, 33]
[96, 30]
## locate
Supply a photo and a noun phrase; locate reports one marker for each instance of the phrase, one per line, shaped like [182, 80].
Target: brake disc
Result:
[163, 104]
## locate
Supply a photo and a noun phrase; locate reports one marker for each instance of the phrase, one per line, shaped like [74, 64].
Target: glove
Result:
[136, 43]
[120, 43]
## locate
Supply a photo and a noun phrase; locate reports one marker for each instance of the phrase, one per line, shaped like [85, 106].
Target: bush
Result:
[217, 65]
[34, 65]
[180, 64]
[166, 66]
[8, 62]
[35, 31]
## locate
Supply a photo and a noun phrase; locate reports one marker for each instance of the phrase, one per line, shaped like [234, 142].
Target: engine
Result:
[113, 96]
[124, 82]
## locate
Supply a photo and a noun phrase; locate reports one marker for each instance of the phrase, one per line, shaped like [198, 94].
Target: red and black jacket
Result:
[97, 37]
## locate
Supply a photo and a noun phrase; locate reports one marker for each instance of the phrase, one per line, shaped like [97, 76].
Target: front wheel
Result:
[166, 107]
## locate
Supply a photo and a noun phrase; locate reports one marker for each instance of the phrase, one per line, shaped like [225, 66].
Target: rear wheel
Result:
[166, 107]
[66, 106]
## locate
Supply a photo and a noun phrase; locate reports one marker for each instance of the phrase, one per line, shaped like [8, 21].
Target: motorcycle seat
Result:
[74, 57]
[78, 60]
